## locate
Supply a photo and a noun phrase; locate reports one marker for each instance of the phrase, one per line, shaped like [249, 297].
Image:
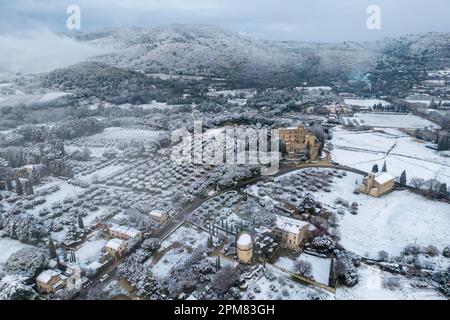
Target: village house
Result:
[291, 232]
[124, 233]
[159, 216]
[298, 142]
[50, 281]
[116, 248]
[377, 184]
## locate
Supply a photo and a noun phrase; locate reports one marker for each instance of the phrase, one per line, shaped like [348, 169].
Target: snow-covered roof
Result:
[290, 225]
[114, 244]
[157, 213]
[127, 231]
[244, 239]
[383, 177]
[46, 276]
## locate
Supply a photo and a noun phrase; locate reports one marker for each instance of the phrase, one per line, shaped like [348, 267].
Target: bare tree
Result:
[303, 268]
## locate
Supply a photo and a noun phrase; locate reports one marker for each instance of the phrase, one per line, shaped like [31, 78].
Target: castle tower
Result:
[245, 247]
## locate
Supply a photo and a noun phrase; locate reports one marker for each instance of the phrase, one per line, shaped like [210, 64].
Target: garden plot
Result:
[320, 266]
[388, 223]
[275, 284]
[90, 253]
[392, 120]
[375, 284]
[8, 247]
[114, 137]
[176, 249]
[103, 172]
[361, 150]
[220, 210]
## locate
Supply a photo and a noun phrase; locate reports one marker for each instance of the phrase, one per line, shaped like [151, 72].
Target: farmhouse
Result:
[124, 233]
[299, 142]
[290, 232]
[159, 216]
[377, 184]
[50, 281]
[116, 248]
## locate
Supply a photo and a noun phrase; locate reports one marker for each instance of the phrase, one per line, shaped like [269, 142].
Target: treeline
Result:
[107, 83]
[403, 108]
[69, 129]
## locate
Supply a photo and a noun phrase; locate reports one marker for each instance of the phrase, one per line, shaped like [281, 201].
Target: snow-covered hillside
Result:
[213, 51]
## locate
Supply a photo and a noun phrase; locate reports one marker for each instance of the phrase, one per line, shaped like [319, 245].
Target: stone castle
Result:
[299, 141]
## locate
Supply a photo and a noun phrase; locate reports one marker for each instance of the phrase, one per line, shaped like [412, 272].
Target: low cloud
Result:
[41, 50]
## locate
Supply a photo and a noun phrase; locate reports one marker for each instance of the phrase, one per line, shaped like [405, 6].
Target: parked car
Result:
[104, 277]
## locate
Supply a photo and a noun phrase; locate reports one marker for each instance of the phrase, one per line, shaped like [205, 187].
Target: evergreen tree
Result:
[29, 188]
[384, 167]
[443, 191]
[8, 184]
[52, 248]
[35, 177]
[19, 188]
[375, 168]
[210, 242]
[80, 222]
[403, 179]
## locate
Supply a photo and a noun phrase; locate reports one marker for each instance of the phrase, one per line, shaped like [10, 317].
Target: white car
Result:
[104, 277]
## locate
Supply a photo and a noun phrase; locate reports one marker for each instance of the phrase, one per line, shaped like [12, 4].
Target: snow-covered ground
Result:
[8, 246]
[370, 287]
[361, 150]
[91, 251]
[106, 171]
[123, 134]
[320, 266]
[388, 223]
[29, 98]
[368, 103]
[176, 249]
[233, 93]
[275, 284]
[393, 120]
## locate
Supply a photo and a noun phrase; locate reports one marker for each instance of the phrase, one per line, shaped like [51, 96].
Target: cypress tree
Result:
[51, 246]
[19, 188]
[375, 168]
[8, 184]
[80, 221]
[403, 179]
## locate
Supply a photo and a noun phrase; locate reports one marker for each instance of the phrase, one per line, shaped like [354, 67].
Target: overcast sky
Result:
[305, 20]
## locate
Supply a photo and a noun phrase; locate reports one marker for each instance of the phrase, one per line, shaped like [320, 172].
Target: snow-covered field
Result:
[8, 247]
[29, 98]
[91, 251]
[370, 287]
[388, 223]
[392, 120]
[320, 266]
[275, 284]
[123, 134]
[368, 103]
[176, 249]
[361, 150]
